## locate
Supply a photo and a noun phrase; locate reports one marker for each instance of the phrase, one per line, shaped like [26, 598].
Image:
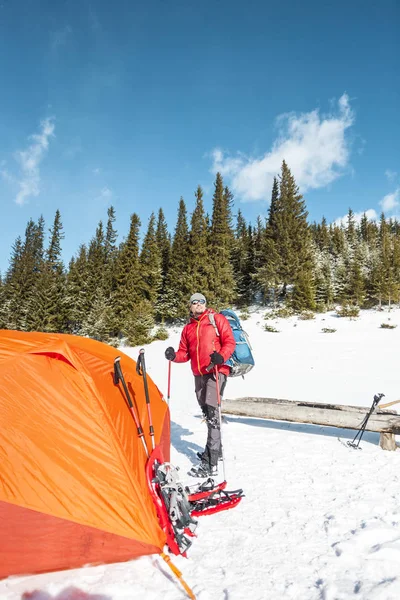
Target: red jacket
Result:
[199, 339]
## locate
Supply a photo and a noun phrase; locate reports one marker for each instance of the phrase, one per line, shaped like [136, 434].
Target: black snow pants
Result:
[206, 393]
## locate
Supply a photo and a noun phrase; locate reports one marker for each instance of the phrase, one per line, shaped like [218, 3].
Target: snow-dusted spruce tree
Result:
[96, 287]
[222, 282]
[13, 282]
[267, 258]
[47, 307]
[323, 279]
[75, 291]
[389, 286]
[150, 262]
[323, 266]
[356, 288]
[2, 302]
[22, 277]
[380, 273]
[243, 261]
[199, 257]
[110, 252]
[132, 315]
[164, 245]
[97, 321]
[178, 288]
[292, 239]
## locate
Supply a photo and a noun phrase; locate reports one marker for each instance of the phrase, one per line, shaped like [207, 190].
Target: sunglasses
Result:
[198, 302]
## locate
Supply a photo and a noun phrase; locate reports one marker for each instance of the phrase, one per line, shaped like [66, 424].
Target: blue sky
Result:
[136, 103]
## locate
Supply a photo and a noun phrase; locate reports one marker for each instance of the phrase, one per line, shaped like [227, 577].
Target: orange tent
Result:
[73, 489]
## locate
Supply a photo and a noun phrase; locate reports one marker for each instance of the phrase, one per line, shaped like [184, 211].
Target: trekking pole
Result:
[169, 381]
[220, 419]
[360, 433]
[141, 370]
[119, 376]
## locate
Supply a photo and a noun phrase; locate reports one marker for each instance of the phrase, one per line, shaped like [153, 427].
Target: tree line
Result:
[112, 291]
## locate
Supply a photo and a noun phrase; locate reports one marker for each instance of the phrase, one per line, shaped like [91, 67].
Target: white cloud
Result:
[105, 194]
[315, 148]
[371, 215]
[29, 161]
[391, 175]
[97, 171]
[390, 201]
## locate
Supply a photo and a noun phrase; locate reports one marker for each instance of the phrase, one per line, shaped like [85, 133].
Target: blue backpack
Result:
[241, 361]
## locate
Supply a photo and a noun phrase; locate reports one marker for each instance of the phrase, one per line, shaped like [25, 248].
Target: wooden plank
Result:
[330, 415]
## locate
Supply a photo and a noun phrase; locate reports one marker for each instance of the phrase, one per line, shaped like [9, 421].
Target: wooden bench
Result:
[385, 422]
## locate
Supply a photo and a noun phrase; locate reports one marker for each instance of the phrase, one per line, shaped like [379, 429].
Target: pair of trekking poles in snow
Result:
[360, 432]
[119, 377]
[209, 368]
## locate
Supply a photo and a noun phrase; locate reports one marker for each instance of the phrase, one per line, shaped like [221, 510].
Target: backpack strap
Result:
[211, 318]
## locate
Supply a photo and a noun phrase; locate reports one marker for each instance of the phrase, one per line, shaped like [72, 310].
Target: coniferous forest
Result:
[128, 291]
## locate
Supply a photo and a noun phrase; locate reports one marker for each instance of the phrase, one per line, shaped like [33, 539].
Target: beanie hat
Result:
[197, 296]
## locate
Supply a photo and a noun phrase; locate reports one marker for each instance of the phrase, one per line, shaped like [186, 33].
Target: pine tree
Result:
[356, 288]
[76, 295]
[111, 235]
[47, 308]
[323, 282]
[22, 277]
[222, 284]
[132, 315]
[303, 295]
[97, 265]
[324, 238]
[96, 323]
[243, 261]
[174, 304]
[111, 252]
[12, 287]
[291, 234]
[351, 233]
[198, 257]
[164, 245]
[2, 303]
[267, 263]
[151, 264]
[274, 206]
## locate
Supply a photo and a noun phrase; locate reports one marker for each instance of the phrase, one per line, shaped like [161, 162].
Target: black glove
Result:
[217, 358]
[170, 353]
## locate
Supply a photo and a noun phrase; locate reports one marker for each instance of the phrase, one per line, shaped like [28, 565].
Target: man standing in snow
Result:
[206, 345]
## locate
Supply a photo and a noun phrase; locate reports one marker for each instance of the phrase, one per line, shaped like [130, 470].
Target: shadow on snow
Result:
[184, 446]
[369, 436]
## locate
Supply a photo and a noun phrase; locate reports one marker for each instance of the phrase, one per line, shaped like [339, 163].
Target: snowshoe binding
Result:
[203, 470]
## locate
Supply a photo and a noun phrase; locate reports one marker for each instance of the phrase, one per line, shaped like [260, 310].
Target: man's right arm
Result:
[183, 351]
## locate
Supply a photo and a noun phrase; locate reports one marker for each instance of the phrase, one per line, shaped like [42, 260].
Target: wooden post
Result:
[387, 441]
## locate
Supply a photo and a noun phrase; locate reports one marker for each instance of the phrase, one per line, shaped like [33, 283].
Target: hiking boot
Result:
[203, 470]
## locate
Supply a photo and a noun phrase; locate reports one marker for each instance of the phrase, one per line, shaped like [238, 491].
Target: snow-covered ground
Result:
[320, 521]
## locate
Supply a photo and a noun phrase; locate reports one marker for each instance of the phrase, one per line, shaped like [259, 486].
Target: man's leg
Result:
[211, 412]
